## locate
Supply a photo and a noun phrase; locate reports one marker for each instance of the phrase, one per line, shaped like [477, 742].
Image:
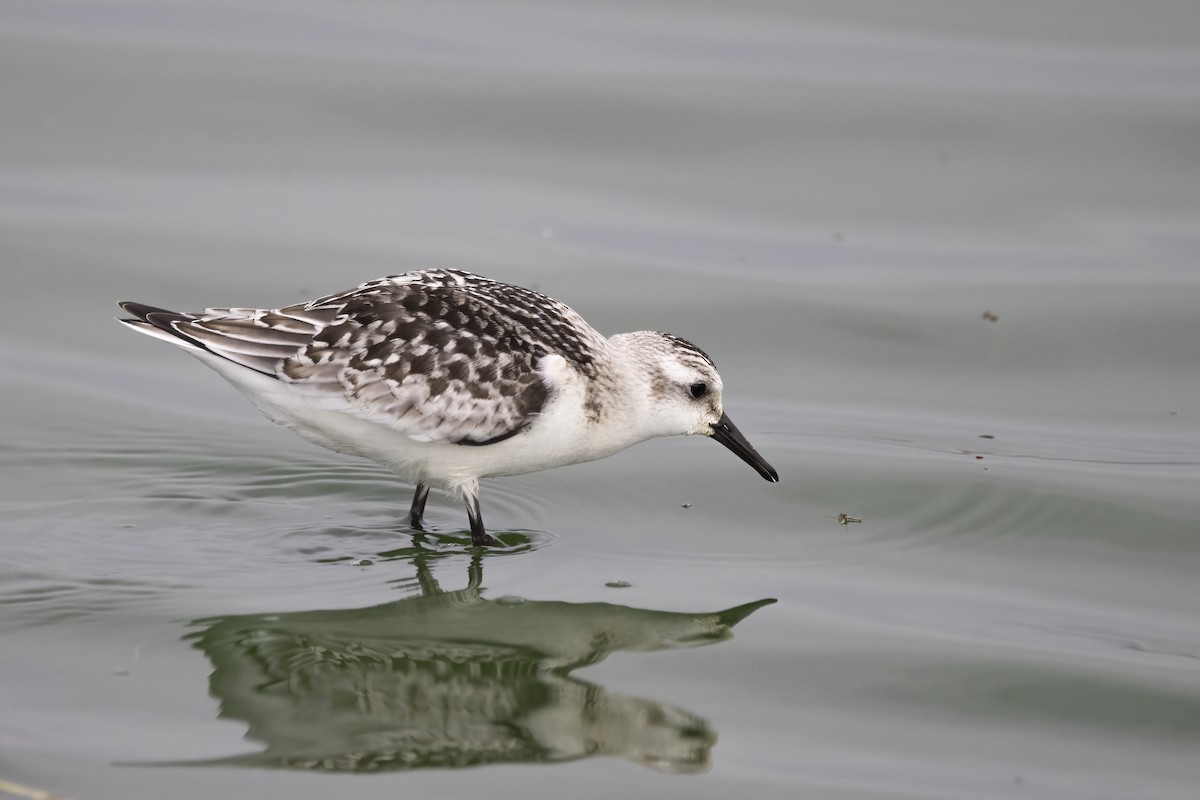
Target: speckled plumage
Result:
[447, 377]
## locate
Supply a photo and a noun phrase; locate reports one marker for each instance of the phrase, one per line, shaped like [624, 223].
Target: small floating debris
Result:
[845, 519]
[991, 316]
[618, 584]
[361, 562]
[510, 600]
[686, 505]
[986, 436]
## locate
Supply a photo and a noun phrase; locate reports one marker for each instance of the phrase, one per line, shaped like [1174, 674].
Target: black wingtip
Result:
[160, 318]
[141, 310]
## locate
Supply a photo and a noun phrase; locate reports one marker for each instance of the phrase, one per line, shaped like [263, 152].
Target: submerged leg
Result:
[420, 495]
[479, 537]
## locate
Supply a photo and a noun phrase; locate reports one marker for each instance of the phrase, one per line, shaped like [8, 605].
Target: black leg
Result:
[479, 537]
[418, 505]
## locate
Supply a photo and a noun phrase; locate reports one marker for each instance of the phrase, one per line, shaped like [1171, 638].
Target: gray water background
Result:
[827, 197]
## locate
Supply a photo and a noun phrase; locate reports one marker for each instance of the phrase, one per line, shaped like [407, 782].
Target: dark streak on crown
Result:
[684, 344]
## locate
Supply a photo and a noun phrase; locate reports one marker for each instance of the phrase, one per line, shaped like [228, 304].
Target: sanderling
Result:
[446, 377]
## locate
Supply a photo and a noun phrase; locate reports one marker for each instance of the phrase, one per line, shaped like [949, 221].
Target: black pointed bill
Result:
[727, 434]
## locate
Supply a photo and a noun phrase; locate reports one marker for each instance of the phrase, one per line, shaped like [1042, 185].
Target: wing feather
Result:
[438, 355]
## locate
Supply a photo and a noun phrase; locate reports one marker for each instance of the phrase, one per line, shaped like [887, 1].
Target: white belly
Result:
[561, 434]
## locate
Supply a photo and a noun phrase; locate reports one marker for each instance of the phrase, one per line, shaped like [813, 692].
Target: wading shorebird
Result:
[446, 377]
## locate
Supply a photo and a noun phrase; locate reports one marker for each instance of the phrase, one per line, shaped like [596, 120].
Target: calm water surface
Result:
[945, 255]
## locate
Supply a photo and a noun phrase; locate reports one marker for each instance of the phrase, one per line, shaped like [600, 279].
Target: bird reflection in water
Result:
[450, 679]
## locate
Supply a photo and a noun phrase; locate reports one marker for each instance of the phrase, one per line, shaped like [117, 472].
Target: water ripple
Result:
[198, 508]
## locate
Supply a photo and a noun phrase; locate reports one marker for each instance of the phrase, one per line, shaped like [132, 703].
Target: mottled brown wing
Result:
[440, 356]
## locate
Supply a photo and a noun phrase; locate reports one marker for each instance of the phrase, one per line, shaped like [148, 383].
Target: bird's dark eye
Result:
[698, 390]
